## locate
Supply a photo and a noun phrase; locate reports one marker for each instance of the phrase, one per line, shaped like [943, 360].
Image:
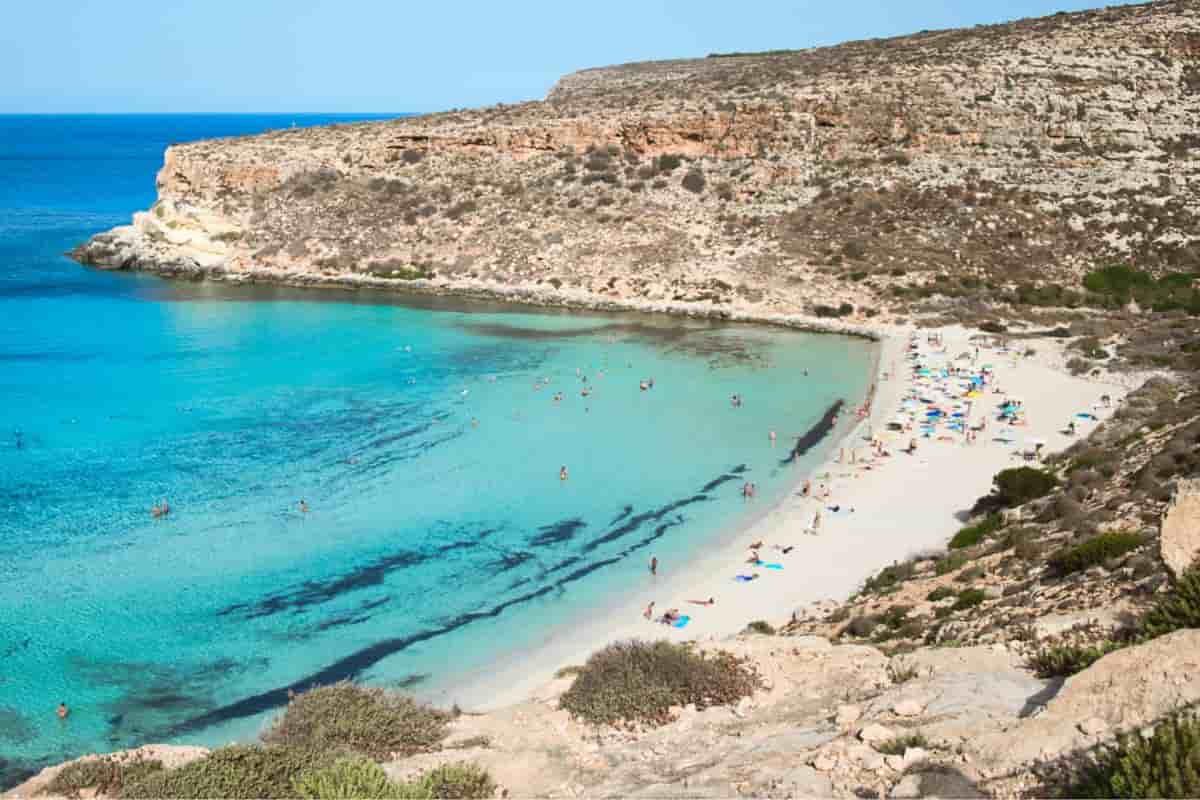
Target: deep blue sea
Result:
[424, 437]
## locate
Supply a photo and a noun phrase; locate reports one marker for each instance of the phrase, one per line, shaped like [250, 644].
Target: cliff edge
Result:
[929, 173]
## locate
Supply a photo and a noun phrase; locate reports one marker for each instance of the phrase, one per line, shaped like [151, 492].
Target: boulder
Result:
[1180, 542]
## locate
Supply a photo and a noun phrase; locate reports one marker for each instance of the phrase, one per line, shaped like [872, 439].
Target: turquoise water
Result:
[433, 546]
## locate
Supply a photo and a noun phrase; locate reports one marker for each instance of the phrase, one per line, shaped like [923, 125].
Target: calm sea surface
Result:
[433, 544]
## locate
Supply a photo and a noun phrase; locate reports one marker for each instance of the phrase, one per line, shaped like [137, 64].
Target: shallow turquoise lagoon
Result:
[424, 437]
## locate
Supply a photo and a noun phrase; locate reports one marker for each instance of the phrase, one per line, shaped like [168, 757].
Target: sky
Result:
[60, 56]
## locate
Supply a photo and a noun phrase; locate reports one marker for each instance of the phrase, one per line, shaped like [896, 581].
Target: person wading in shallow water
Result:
[562, 474]
[63, 711]
[653, 565]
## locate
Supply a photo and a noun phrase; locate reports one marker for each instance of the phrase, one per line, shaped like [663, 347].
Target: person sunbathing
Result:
[710, 601]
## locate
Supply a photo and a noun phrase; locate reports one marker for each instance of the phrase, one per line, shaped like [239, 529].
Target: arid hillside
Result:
[963, 173]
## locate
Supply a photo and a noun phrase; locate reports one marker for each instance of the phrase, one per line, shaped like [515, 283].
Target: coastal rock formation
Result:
[934, 171]
[1180, 545]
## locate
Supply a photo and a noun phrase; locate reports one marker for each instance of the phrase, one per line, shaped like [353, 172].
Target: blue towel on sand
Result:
[743, 578]
[682, 622]
[773, 566]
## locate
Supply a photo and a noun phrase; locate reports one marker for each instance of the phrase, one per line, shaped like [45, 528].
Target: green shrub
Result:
[761, 626]
[940, 593]
[889, 578]
[668, 162]
[346, 779]
[1165, 765]
[897, 745]
[968, 598]
[640, 681]
[1178, 608]
[107, 775]
[241, 772]
[351, 779]
[1063, 660]
[952, 562]
[862, 626]
[359, 719]
[1094, 551]
[1019, 485]
[974, 534]
[458, 782]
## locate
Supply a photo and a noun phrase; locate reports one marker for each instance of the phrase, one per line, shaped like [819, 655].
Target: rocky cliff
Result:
[939, 172]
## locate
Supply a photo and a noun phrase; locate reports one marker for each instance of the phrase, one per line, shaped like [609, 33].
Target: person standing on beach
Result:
[653, 565]
[649, 612]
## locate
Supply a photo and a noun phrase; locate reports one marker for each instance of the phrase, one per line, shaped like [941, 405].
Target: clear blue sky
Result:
[400, 55]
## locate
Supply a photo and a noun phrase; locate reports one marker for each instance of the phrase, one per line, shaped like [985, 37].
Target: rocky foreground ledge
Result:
[830, 721]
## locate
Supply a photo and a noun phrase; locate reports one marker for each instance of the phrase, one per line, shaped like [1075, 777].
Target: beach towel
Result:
[681, 622]
[743, 578]
[773, 566]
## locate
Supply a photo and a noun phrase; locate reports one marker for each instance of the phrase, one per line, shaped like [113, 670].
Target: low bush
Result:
[241, 772]
[694, 181]
[352, 779]
[1063, 660]
[1019, 485]
[889, 577]
[974, 534]
[1165, 765]
[1095, 551]
[940, 593]
[761, 626]
[897, 745]
[359, 719]
[457, 782]
[1178, 608]
[346, 779]
[638, 681]
[106, 775]
[668, 162]
[862, 626]
[968, 598]
[952, 562]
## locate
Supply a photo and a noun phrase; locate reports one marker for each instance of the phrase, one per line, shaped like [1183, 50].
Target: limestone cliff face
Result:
[880, 173]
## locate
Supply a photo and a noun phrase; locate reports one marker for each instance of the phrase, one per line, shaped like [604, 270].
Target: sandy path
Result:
[906, 504]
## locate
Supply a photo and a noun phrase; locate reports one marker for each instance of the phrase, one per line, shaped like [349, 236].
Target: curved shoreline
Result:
[532, 295]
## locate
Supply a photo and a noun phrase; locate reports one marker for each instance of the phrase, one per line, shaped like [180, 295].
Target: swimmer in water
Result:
[303, 507]
[562, 474]
[63, 711]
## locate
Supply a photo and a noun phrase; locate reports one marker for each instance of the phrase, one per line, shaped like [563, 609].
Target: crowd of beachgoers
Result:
[951, 396]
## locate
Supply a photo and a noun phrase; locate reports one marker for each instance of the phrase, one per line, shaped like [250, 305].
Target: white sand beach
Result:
[902, 504]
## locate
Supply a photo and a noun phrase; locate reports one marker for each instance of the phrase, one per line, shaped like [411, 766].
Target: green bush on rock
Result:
[974, 534]
[371, 721]
[106, 775]
[1165, 765]
[360, 779]
[239, 772]
[1094, 551]
[1178, 608]
[346, 779]
[636, 681]
[1019, 485]
[1064, 660]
